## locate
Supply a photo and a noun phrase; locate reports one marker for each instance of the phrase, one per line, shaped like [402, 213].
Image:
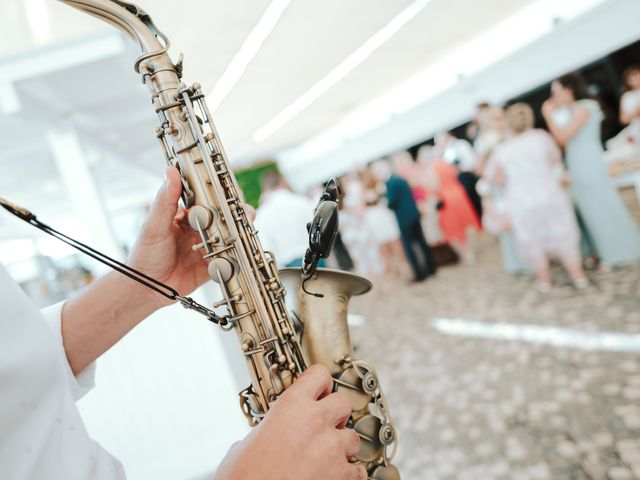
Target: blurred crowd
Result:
[545, 193]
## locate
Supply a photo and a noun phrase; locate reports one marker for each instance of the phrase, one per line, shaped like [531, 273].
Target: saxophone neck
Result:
[132, 20]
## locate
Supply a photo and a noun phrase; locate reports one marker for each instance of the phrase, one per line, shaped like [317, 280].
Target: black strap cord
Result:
[149, 282]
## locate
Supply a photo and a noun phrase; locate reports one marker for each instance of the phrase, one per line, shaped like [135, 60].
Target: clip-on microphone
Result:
[323, 230]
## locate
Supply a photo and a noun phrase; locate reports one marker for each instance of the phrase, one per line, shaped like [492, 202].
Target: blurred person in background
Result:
[614, 232]
[455, 212]
[354, 228]
[473, 129]
[381, 224]
[630, 103]
[562, 117]
[491, 132]
[281, 220]
[47, 362]
[404, 166]
[630, 110]
[460, 153]
[431, 203]
[529, 167]
[400, 200]
[625, 146]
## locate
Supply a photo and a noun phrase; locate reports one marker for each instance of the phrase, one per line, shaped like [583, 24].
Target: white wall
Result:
[570, 46]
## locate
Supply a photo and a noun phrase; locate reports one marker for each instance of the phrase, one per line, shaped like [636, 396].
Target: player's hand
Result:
[164, 250]
[301, 438]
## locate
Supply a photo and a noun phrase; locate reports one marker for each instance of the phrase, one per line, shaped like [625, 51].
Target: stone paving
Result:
[481, 409]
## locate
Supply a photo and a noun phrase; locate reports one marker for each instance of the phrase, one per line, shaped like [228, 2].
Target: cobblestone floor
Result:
[478, 408]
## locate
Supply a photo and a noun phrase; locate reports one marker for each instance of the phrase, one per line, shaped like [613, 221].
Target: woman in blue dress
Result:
[615, 234]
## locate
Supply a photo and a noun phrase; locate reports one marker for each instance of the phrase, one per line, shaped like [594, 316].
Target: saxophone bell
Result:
[325, 339]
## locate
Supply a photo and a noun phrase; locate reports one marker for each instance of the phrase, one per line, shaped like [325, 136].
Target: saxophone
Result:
[277, 345]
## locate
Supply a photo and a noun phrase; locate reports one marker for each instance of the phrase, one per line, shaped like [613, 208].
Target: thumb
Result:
[165, 205]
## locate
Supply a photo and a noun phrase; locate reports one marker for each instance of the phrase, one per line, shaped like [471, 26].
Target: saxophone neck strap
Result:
[143, 279]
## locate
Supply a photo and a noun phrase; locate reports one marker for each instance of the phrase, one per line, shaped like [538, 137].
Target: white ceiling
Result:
[310, 39]
[104, 101]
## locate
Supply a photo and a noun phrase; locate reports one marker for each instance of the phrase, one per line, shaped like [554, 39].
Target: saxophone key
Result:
[200, 217]
[386, 472]
[350, 384]
[220, 270]
[371, 448]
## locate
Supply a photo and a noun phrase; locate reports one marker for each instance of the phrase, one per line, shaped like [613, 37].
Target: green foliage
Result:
[249, 180]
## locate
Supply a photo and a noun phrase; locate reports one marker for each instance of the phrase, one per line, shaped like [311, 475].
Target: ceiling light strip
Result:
[341, 71]
[37, 14]
[247, 52]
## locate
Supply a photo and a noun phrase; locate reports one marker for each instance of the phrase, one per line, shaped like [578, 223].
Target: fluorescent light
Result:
[341, 71]
[38, 20]
[247, 52]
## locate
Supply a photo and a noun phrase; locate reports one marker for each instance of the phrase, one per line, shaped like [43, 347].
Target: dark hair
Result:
[626, 74]
[577, 84]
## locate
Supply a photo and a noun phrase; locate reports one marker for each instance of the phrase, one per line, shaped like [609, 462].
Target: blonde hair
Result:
[519, 117]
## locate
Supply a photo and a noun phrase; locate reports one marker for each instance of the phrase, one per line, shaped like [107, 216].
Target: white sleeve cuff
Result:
[81, 384]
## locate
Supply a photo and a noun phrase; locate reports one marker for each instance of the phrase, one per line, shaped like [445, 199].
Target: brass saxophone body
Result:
[253, 294]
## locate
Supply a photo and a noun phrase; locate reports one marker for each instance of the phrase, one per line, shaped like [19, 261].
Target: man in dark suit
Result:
[400, 200]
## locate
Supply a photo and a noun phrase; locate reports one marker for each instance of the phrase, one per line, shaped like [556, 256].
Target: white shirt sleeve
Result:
[81, 384]
[42, 435]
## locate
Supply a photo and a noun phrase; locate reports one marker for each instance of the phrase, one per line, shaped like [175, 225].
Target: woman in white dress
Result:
[614, 232]
[529, 167]
[381, 227]
[352, 222]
